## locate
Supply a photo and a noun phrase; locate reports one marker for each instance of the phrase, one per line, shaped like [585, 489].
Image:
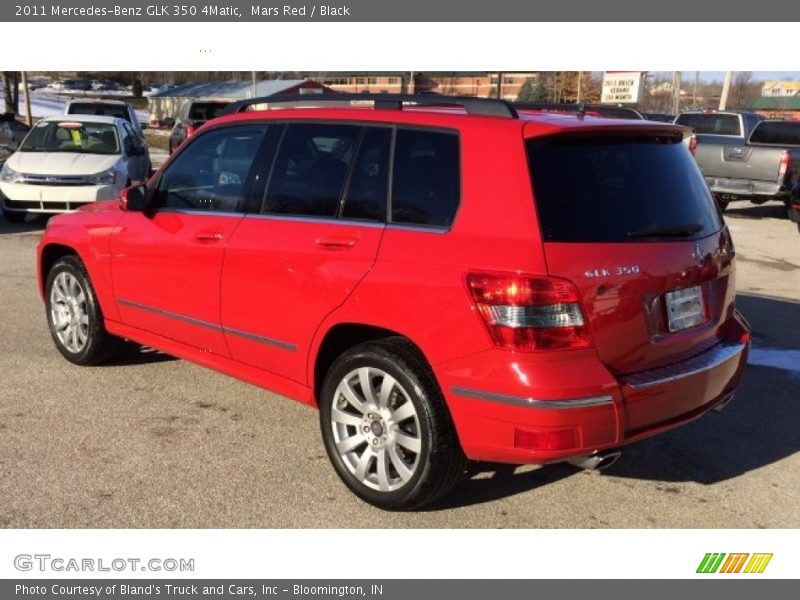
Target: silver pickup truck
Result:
[745, 157]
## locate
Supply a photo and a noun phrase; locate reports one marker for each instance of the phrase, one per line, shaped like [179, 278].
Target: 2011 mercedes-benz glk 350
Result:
[444, 278]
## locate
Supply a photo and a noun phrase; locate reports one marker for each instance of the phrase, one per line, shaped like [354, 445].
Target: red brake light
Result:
[190, 130]
[529, 313]
[693, 144]
[783, 167]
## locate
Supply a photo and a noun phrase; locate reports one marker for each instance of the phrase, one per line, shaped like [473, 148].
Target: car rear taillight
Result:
[783, 167]
[693, 144]
[529, 313]
[190, 129]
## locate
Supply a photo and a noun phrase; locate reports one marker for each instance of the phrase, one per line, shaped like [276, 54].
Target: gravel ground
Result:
[156, 442]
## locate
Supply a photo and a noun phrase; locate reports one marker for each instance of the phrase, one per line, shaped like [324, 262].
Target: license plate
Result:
[685, 308]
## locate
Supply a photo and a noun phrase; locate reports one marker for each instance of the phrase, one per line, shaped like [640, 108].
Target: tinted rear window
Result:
[104, 110]
[205, 111]
[613, 189]
[712, 123]
[785, 133]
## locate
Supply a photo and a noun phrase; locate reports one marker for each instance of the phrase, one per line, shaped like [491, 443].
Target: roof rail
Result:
[489, 107]
[604, 110]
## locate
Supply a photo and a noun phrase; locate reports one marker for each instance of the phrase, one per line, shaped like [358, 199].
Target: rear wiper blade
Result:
[676, 231]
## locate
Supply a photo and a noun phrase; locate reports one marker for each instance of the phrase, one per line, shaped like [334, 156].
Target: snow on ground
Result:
[47, 102]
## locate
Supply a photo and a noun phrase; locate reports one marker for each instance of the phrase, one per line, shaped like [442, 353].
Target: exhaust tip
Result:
[597, 461]
[723, 403]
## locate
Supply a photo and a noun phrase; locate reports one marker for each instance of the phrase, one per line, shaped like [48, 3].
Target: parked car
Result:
[660, 117]
[107, 108]
[794, 205]
[66, 162]
[192, 116]
[11, 134]
[720, 140]
[436, 280]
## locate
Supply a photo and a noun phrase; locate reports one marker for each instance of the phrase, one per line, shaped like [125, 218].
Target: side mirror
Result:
[169, 122]
[133, 199]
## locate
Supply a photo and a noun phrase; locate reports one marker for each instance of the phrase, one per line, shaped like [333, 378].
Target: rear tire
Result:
[74, 316]
[386, 428]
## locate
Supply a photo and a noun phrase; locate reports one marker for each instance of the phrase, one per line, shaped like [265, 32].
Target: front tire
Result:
[74, 316]
[386, 428]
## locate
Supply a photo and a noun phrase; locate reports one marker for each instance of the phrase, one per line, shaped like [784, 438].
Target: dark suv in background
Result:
[191, 117]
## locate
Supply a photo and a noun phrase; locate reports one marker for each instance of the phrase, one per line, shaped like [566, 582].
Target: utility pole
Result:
[255, 87]
[580, 82]
[726, 88]
[694, 89]
[499, 85]
[676, 92]
[27, 96]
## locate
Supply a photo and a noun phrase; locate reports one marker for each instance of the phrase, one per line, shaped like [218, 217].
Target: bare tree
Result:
[11, 91]
[744, 89]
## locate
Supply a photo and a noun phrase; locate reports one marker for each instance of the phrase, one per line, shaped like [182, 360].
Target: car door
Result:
[315, 238]
[166, 262]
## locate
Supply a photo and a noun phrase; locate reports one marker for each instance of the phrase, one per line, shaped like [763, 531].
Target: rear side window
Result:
[712, 123]
[426, 182]
[785, 133]
[311, 169]
[366, 192]
[615, 189]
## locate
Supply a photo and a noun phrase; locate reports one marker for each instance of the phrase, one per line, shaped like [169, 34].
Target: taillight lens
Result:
[190, 130]
[783, 167]
[529, 313]
[693, 144]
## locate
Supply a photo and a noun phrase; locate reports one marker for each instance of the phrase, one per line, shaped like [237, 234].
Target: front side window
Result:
[311, 169]
[210, 174]
[426, 183]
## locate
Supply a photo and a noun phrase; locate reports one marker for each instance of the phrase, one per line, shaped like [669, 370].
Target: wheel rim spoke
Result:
[363, 463]
[350, 443]
[387, 385]
[405, 411]
[410, 443]
[346, 390]
[339, 416]
[402, 469]
[383, 472]
[366, 385]
[68, 314]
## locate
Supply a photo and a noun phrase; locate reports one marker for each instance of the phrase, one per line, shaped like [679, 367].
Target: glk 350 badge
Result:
[619, 271]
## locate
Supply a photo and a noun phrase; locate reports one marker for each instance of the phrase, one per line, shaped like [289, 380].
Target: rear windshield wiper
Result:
[675, 231]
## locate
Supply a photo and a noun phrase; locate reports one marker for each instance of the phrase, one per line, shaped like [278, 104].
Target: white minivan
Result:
[67, 161]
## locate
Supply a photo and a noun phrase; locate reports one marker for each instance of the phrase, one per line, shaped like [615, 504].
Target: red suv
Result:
[444, 278]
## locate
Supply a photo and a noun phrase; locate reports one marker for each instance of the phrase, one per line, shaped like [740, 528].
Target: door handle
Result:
[340, 243]
[208, 236]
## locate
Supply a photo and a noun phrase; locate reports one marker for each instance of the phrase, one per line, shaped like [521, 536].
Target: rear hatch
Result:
[626, 216]
[202, 112]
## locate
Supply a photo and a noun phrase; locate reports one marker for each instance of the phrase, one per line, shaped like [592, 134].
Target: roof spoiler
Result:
[489, 107]
[582, 109]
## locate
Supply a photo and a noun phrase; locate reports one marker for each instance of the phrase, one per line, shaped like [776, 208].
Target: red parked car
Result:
[444, 282]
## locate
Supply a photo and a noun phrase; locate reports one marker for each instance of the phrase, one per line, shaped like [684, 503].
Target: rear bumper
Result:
[563, 408]
[746, 188]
